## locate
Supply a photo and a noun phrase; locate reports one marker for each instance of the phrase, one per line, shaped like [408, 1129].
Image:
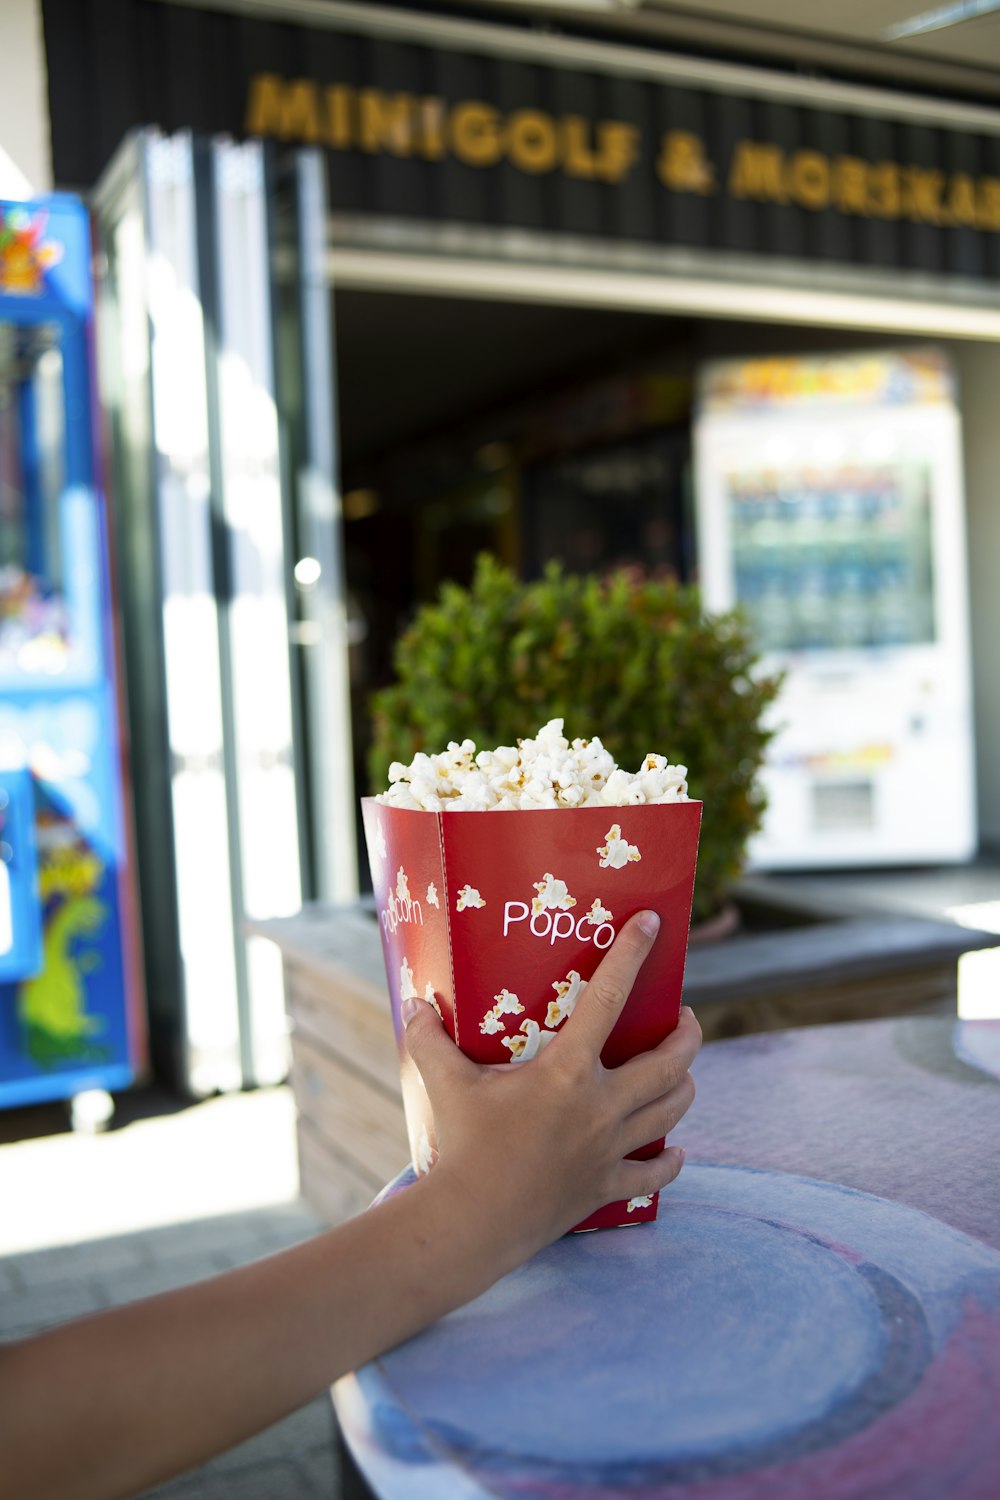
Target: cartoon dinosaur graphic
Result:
[52, 1006]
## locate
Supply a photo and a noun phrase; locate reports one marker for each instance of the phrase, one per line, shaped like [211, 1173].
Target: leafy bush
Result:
[638, 664]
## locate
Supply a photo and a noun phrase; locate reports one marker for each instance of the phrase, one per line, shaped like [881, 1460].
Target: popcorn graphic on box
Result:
[518, 911]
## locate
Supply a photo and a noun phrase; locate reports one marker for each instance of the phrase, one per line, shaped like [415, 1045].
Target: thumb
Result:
[429, 1045]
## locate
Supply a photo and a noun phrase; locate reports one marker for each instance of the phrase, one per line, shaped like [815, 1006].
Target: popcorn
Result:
[468, 896]
[643, 1200]
[552, 894]
[432, 893]
[616, 853]
[380, 848]
[524, 1048]
[547, 771]
[432, 999]
[568, 992]
[598, 913]
[505, 1004]
[402, 886]
[406, 986]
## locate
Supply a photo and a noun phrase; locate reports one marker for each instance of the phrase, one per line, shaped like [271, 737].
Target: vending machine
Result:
[71, 1008]
[830, 509]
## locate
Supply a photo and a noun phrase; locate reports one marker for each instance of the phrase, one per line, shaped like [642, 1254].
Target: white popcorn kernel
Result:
[432, 999]
[552, 894]
[541, 772]
[598, 913]
[617, 852]
[491, 1023]
[432, 896]
[406, 987]
[425, 1153]
[468, 897]
[568, 992]
[642, 1200]
[402, 886]
[524, 1048]
[507, 1004]
[379, 842]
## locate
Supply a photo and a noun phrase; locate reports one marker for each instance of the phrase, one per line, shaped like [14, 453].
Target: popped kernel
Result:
[552, 894]
[524, 1048]
[432, 896]
[617, 852]
[432, 999]
[468, 897]
[598, 914]
[568, 992]
[642, 1200]
[544, 771]
[507, 1004]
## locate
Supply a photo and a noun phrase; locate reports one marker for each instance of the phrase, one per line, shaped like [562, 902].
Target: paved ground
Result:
[167, 1196]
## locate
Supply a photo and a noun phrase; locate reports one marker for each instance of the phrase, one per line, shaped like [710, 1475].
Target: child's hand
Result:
[532, 1150]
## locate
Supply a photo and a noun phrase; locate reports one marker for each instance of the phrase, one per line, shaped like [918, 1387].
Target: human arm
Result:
[112, 1404]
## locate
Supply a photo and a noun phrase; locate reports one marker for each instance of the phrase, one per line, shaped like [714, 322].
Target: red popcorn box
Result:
[499, 919]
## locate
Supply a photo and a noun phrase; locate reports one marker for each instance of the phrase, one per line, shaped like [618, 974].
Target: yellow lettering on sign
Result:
[532, 141]
[618, 148]
[757, 171]
[851, 178]
[923, 195]
[988, 203]
[431, 119]
[962, 200]
[290, 111]
[683, 166]
[578, 158]
[385, 122]
[885, 197]
[809, 179]
[339, 117]
[475, 134]
[345, 118]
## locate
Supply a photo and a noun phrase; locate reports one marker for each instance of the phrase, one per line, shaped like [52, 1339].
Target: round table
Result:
[815, 1315]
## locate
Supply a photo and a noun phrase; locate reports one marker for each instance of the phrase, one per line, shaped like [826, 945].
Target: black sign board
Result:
[446, 135]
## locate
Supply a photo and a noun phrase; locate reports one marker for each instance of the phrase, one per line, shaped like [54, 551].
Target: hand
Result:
[533, 1150]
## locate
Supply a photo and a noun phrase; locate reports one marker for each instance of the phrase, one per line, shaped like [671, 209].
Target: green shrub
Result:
[639, 665]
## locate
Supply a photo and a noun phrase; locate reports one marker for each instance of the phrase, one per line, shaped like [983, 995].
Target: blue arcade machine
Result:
[71, 1006]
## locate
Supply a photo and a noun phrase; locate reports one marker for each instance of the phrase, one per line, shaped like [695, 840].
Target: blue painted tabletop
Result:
[815, 1313]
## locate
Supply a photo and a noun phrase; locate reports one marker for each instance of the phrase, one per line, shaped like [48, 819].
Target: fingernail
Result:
[408, 1009]
[650, 923]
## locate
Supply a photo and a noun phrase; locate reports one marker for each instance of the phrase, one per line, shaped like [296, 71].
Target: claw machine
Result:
[71, 1007]
[830, 507]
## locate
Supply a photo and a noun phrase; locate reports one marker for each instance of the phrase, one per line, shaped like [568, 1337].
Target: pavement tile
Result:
[91, 1258]
[303, 1432]
[10, 1278]
[159, 1276]
[217, 1233]
[322, 1471]
[276, 1481]
[38, 1307]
